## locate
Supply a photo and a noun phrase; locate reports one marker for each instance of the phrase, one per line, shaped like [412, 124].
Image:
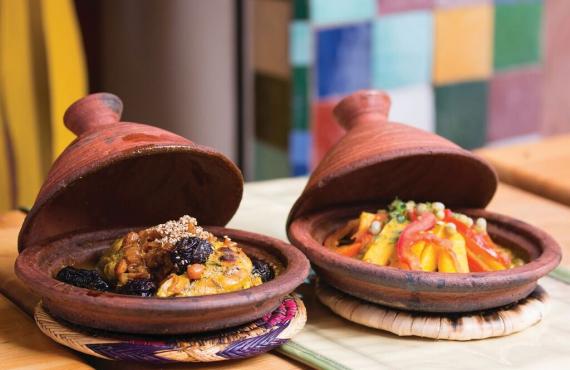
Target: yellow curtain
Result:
[5, 185]
[42, 71]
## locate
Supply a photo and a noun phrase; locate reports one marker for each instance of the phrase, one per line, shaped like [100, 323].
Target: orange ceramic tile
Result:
[326, 131]
[463, 44]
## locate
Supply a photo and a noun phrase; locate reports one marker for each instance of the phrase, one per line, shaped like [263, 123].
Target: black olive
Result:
[345, 240]
[262, 269]
[82, 278]
[142, 287]
[188, 251]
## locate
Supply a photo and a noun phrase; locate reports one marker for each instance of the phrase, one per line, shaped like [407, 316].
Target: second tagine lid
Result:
[376, 161]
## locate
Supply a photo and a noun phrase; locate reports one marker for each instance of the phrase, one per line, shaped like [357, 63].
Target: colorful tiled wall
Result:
[470, 70]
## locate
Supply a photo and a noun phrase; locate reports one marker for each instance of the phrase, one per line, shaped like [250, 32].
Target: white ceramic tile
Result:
[414, 106]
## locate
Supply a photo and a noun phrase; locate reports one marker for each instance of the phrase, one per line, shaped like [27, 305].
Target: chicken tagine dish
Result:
[422, 237]
[174, 259]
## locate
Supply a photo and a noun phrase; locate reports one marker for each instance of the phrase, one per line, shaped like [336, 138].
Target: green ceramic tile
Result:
[301, 9]
[300, 102]
[517, 34]
[270, 161]
[272, 109]
[461, 113]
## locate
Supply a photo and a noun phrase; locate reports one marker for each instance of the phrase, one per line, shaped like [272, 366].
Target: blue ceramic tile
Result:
[341, 11]
[299, 170]
[402, 47]
[299, 151]
[300, 43]
[343, 59]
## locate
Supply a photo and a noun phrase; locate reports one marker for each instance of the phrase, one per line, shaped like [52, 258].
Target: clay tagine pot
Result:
[120, 176]
[378, 160]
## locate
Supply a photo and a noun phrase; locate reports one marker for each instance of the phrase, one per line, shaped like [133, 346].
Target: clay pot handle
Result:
[93, 111]
[362, 105]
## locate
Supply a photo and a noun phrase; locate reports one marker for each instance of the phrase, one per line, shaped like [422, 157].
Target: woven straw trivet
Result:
[247, 340]
[469, 326]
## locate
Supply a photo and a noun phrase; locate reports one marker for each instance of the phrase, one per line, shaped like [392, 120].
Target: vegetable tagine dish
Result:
[174, 259]
[421, 237]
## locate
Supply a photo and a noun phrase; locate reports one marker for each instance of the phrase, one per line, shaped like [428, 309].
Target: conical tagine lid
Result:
[377, 160]
[121, 174]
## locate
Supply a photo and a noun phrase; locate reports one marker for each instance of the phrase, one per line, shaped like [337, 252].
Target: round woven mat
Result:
[469, 326]
[247, 340]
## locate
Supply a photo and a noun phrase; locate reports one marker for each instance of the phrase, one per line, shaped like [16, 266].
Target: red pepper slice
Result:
[479, 244]
[409, 236]
[475, 263]
[413, 215]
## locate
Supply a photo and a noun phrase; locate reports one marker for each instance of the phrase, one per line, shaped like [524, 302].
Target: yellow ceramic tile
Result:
[463, 43]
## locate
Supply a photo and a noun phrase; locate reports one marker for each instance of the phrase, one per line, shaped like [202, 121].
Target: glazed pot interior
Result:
[520, 246]
[540, 252]
[86, 253]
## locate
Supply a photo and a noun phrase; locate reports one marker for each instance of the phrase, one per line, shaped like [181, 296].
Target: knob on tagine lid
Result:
[376, 161]
[123, 174]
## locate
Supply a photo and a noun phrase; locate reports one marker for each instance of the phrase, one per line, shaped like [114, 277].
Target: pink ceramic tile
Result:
[393, 6]
[556, 75]
[326, 131]
[514, 103]
[454, 3]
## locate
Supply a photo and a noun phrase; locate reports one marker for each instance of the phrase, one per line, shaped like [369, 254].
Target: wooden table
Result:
[542, 167]
[275, 199]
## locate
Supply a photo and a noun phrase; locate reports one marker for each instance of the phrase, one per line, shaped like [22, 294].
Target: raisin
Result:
[82, 278]
[188, 251]
[262, 269]
[142, 287]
